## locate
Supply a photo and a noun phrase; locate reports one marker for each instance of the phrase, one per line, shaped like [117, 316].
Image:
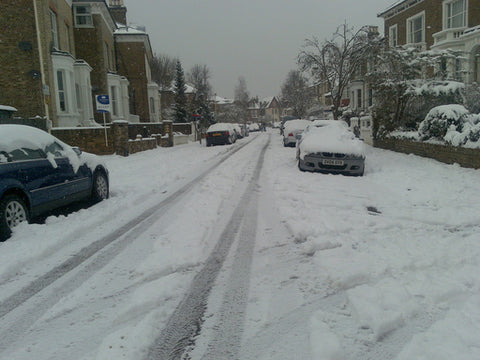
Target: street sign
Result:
[103, 103]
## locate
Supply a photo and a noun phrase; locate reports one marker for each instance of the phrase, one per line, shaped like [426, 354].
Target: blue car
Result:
[39, 173]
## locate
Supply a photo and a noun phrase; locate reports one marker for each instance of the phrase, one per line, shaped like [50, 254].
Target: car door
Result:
[32, 169]
[70, 184]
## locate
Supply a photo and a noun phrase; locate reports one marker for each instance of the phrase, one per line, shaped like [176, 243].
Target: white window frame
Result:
[62, 90]
[114, 100]
[54, 29]
[67, 38]
[410, 33]
[393, 40]
[447, 18]
[87, 15]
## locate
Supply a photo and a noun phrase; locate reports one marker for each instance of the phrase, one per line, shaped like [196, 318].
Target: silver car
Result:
[292, 130]
[330, 147]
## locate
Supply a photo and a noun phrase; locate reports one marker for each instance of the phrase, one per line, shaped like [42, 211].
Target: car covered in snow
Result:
[292, 130]
[220, 134]
[39, 173]
[329, 146]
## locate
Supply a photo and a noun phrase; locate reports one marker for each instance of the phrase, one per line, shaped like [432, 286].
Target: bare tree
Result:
[199, 77]
[336, 60]
[163, 70]
[295, 93]
[242, 98]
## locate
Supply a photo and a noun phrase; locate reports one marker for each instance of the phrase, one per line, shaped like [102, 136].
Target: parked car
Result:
[292, 130]
[39, 173]
[329, 146]
[245, 131]
[220, 134]
[253, 127]
[238, 131]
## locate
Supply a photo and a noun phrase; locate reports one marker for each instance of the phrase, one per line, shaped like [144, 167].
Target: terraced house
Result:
[437, 24]
[56, 55]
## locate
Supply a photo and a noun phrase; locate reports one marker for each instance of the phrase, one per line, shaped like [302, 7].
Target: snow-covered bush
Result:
[453, 124]
[440, 119]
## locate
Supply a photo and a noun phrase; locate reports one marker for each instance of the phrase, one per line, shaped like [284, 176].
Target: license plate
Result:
[332, 162]
[217, 134]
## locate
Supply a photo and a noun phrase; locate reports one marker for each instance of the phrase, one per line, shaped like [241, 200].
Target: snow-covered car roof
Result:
[220, 127]
[333, 137]
[22, 136]
[295, 125]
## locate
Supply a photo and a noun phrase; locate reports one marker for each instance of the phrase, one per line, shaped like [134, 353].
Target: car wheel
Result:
[12, 212]
[300, 167]
[100, 187]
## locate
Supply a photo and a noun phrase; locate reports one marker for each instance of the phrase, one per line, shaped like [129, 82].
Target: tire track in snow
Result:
[186, 321]
[127, 233]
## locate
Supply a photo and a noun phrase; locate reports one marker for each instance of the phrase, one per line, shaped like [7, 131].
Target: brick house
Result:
[40, 74]
[434, 24]
[134, 55]
[94, 29]
[271, 109]
[56, 54]
[359, 92]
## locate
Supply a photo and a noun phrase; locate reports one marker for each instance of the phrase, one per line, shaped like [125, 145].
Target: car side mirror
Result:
[77, 150]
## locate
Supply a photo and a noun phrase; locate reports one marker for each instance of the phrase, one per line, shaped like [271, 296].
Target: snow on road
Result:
[380, 267]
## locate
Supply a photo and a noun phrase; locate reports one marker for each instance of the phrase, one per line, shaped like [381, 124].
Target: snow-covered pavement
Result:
[379, 267]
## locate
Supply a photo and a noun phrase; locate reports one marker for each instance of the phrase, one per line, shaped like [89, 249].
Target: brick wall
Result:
[91, 140]
[119, 138]
[184, 128]
[469, 158]
[433, 20]
[144, 129]
[91, 45]
[18, 88]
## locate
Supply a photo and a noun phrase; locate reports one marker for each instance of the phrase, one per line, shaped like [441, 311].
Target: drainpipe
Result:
[40, 54]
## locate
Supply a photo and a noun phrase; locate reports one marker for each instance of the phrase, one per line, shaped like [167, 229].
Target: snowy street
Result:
[231, 252]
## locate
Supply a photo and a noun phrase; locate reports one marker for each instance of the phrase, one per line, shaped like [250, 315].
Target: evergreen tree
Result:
[180, 97]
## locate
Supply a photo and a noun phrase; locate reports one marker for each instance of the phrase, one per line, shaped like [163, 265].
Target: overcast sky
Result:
[256, 39]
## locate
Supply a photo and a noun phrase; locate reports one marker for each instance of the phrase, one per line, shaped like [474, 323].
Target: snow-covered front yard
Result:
[383, 266]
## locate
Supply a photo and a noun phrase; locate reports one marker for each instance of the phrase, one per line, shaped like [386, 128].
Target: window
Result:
[54, 29]
[114, 100]
[152, 105]
[359, 98]
[79, 96]
[62, 94]
[416, 29]
[24, 154]
[83, 16]
[370, 97]
[393, 36]
[455, 14]
[54, 148]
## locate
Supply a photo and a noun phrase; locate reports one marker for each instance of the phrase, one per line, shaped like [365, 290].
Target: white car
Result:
[329, 146]
[292, 130]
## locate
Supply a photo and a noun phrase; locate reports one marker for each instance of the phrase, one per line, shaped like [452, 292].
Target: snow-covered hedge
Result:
[453, 124]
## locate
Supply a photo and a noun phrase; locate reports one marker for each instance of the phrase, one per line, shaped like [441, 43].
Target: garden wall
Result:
[115, 139]
[469, 158]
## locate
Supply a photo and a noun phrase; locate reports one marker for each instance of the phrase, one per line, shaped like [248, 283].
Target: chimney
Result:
[118, 11]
